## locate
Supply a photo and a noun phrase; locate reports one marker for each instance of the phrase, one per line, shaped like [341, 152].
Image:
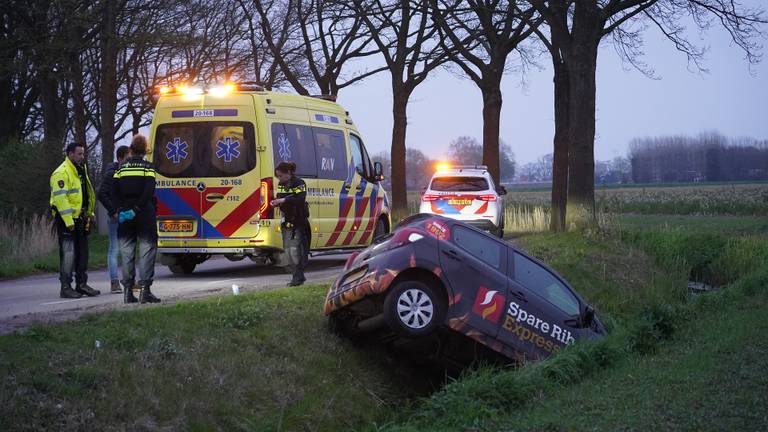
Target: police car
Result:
[466, 193]
[215, 149]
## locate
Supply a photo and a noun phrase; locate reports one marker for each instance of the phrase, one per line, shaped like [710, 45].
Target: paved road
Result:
[36, 298]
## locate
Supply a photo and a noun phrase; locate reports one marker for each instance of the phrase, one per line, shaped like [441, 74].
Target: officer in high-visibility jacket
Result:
[72, 203]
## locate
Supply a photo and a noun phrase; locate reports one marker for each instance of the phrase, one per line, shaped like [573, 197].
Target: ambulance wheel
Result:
[414, 309]
[183, 267]
[380, 229]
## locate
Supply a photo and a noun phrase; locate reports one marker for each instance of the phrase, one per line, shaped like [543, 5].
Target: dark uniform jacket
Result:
[134, 187]
[295, 209]
[105, 190]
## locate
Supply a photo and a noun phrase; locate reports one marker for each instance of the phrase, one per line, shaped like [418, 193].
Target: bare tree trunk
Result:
[399, 125]
[581, 163]
[491, 122]
[108, 91]
[560, 159]
[54, 112]
[78, 100]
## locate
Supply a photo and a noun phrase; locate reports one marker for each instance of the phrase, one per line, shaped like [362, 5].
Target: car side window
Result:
[331, 153]
[539, 280]
[478, 245]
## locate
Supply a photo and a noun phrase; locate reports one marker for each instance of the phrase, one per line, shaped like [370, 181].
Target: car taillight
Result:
[265, 197]
[430, 197]
[487, 197]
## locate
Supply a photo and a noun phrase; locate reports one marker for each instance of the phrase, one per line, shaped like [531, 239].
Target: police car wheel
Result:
[414, 309]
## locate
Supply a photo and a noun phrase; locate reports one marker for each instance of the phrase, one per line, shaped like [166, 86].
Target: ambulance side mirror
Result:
[378, 171]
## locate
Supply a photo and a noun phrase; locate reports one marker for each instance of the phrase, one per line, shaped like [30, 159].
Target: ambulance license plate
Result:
[176, 226]
[456, 201]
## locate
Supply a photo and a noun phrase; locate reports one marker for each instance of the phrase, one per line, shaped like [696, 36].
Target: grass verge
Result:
[11, 267]
[263, 361]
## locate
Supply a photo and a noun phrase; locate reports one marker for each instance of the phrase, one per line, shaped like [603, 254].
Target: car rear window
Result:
[465, 184]
[204, 149]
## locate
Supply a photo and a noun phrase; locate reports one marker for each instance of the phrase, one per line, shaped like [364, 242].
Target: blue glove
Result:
[125, 216]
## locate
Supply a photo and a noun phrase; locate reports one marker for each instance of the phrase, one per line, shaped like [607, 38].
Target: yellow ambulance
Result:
[215, 150]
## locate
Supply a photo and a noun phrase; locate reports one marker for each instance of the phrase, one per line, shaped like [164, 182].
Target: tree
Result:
[404, 35]
[330, 35]
[465, 150]
[482, 34]
[576, 29]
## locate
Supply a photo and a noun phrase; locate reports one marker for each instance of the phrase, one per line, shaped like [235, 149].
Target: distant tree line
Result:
[617, 170]
[707, 157]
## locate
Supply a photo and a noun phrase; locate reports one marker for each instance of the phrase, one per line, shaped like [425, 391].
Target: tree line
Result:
[707, 157]
[84, 70]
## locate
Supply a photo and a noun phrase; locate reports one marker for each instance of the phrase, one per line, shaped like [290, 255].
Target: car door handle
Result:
[519, 295]
[359, 188]
[346, 186]
[452, 254]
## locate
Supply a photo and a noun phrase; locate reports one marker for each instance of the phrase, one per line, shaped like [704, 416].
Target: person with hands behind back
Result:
[133, 191]
[72, 203]
[292, 201]
[105, 197]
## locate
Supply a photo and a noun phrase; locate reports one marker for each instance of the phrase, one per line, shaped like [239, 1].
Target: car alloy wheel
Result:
[415, 309]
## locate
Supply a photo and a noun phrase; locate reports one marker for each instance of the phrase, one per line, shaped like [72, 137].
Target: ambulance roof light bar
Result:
[328, 97]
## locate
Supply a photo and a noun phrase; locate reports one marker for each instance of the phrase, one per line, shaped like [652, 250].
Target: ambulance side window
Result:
[539, 280]
[360, 158]
[331, 154]
[295, 143]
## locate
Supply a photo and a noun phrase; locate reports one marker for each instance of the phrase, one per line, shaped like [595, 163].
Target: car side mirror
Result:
[502, 190]
[588, 316]
[378, 171]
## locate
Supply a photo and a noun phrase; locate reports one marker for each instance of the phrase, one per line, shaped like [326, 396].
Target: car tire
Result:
[183, 267]
[414, 309]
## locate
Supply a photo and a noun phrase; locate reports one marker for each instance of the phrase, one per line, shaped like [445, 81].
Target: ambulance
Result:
[215, 149]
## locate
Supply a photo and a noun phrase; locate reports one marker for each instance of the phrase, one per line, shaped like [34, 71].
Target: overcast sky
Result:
[732, 99]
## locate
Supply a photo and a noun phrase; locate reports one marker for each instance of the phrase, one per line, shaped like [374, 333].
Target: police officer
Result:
[72, 203]
[292, 201]
[105, 197]
[133, 193]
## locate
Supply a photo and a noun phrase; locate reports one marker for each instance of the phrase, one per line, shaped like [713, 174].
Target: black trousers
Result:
[73, 252]
[296, 246]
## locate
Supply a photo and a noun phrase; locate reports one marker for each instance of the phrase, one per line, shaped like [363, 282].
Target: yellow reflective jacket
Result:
[66, 196]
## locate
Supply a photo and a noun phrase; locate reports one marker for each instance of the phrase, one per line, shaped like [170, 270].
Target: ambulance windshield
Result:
[204, 149]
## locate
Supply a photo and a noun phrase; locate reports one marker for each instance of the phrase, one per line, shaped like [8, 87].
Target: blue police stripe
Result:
[181, 208]
[446, 208]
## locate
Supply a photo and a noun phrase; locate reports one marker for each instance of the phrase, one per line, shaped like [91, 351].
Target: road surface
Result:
[36, 298]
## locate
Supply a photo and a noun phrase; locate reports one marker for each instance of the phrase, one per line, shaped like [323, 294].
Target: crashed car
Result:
[433, 273]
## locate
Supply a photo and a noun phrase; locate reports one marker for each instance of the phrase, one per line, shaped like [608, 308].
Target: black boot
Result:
[128, 296]
[68, 292]
[147, 296]
[84, 289]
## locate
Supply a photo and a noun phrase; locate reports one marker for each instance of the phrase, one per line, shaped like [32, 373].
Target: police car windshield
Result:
[464, 184]
[204, 149]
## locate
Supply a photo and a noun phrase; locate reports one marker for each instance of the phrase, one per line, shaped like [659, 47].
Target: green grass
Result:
[263, 361]
[711, 376]
[10, 268]
[737, 225]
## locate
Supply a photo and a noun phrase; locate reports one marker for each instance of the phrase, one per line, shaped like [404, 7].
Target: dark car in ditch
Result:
[433, 273]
